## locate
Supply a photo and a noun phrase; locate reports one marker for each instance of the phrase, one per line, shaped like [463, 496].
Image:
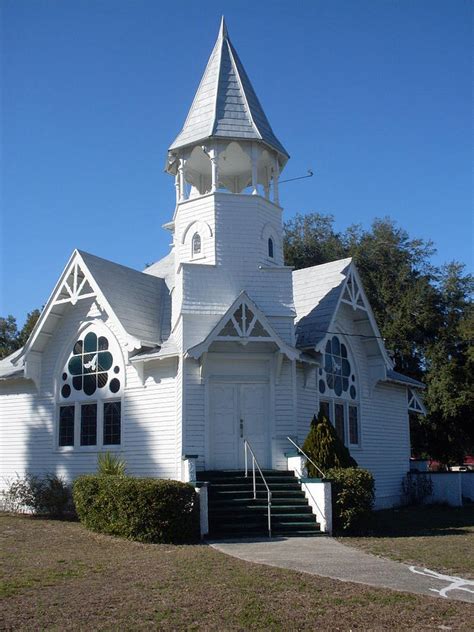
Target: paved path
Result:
[327, 557]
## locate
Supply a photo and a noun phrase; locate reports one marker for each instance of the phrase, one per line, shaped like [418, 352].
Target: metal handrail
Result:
[247, 446]
[307, 457]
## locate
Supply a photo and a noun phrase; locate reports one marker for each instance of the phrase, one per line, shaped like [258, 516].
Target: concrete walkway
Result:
[327, 557]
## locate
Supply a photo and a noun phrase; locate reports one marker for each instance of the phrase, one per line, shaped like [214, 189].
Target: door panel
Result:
[224, 425]
[254, 413]
[231, 405]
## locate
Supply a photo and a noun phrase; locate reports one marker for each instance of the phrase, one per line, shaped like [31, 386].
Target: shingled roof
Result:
[225, 105]
[316, 296]
[137, 299]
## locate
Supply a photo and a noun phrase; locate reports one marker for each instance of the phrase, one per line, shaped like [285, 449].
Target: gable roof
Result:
[163, 268]
[225, 104]
[399, 378]
[135, 298]
[244, 331]
[316, 294]
[318, 291]
[139, 302]
[11, 367]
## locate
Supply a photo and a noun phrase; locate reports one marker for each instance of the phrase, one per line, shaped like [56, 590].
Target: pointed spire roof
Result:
[225, 104]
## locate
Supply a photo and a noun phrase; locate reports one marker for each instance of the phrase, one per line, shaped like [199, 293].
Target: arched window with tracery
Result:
[196, 245]
[89, 390]
[339, 397]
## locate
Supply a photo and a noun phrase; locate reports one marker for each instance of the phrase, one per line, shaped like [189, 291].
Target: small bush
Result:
[48, 495]
[143, 509]
[352, 498]
[325, 448]
[416, 486]
[109, 464]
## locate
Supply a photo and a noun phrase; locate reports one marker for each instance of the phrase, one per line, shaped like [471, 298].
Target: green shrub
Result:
[48, 495]
[352, 498]
[109, 464]
[143, 509]
[325, 448]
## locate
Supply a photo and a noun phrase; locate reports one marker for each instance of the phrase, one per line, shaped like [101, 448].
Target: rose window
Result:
[338, 373]
[91, 368]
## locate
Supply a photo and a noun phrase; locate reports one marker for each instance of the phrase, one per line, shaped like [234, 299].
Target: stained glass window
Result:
[112, 416]
[339, 421]
[89, 424]
[87, 370]
[66, 426]
[337, 383]
[353, 425]
[337, 368]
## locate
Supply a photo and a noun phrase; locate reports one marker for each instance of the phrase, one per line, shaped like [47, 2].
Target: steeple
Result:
[225, 105]
[226, 141]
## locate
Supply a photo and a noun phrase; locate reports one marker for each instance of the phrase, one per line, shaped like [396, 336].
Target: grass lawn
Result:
[58, 576]
[438, 537]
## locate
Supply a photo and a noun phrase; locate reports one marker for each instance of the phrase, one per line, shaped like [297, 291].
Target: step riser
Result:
[234, 512]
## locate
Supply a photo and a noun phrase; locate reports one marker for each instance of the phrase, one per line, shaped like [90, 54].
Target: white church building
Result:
[217, 343]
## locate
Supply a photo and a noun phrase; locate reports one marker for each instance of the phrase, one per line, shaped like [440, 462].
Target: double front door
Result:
[238, 411]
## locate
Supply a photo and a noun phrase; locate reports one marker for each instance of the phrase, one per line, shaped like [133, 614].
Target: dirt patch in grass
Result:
[59, 576]
[438, 537]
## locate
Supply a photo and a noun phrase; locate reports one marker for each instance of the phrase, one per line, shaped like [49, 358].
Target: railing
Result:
[300, 450]
[248, 447]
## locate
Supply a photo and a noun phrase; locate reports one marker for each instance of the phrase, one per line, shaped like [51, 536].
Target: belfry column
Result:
[181, 179]
[254, 158]
[213, 156]
[276, 176]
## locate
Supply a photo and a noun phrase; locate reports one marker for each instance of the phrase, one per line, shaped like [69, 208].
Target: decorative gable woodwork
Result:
[415, 405]
[352, 293]
[75, 287]
[243, 324]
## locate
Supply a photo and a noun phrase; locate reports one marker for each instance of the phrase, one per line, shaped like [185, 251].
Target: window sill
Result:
[87, 449]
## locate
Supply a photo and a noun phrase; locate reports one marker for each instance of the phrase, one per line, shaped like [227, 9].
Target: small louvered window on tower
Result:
[196, 244]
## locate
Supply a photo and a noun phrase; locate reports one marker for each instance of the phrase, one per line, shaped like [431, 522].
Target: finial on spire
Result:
[223, 28]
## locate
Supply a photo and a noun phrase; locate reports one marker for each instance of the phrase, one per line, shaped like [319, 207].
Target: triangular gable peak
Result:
[75, 286]
[75, 283]
[244, 323]
[415, 403]
[353, 294]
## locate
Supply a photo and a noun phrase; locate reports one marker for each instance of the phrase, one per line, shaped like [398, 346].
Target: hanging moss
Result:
[325, 448]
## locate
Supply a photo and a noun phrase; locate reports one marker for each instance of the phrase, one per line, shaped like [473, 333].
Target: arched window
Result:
[338, 391]
[270, 247]
[196, 244]
[89, 388]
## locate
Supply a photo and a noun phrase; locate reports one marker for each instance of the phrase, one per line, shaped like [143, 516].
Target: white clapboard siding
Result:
[307, 402]
[28, 417]
[385, 435]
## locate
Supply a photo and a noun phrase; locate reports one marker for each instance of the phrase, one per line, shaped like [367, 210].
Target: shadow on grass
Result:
[432, 520]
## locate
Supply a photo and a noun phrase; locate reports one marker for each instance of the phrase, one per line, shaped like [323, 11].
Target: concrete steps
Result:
[233, 511]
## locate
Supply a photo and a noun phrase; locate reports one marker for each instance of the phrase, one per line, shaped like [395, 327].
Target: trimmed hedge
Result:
[353, 495]
[142, 509]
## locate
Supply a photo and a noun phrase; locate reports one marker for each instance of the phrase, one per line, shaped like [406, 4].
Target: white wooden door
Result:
[255, 421]
[224, 426]
[238, 411]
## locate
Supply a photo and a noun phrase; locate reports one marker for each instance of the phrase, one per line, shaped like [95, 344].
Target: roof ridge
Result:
[242, 89]
[328, 263]
[114, 263]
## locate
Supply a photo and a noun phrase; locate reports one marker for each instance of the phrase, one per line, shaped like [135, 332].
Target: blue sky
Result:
[375, 96]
